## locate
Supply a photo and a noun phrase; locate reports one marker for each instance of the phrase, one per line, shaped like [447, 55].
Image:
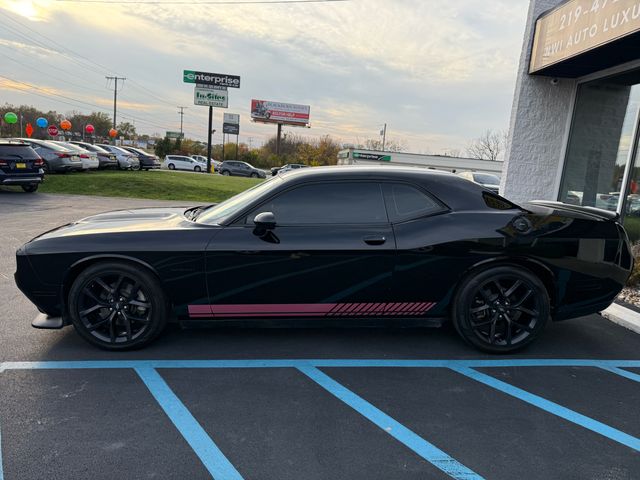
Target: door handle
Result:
[374, 239]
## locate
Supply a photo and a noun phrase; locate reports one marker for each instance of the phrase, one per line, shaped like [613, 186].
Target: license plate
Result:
[21, 165]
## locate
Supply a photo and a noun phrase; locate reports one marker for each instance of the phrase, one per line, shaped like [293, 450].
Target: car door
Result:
[427, 262]
[331, 252]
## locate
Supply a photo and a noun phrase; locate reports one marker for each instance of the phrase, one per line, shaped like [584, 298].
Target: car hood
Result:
[136, 220]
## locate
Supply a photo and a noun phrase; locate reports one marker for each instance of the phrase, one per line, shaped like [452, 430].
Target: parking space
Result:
[316, 403]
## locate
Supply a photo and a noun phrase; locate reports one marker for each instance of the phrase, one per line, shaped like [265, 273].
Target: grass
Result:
[153, 185]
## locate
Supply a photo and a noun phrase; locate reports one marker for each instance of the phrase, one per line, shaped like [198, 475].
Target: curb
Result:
[623, 316]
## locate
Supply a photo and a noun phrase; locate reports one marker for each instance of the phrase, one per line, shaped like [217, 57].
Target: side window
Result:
[328, 203]
[405, 202]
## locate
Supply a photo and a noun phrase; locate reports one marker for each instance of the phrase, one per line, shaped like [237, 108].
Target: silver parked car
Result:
[89, 159]
[126, 160]
[56, 157]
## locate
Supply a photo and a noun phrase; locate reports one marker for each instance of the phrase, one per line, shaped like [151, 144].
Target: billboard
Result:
[277, 112]
[231, 118]
[231, 128]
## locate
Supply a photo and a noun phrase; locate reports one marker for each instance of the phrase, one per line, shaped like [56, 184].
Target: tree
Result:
[491, 145]
[389, 146]
[126, 129]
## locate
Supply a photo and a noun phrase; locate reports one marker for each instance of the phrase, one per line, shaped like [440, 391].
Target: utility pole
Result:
[115, 98]
[384, 136]
[181, 113]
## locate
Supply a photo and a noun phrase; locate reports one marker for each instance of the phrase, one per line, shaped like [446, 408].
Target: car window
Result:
[23, 152]
[486, 179]
[328, 203]
[405, 202]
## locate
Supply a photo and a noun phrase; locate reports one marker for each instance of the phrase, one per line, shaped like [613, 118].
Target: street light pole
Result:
[384, 136]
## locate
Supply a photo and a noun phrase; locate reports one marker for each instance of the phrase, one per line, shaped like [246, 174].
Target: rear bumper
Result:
[20, 180]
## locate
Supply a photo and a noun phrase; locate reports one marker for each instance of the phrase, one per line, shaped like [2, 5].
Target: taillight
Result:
[3, 163]
[39, 162]
[84, 155]
[63, 155]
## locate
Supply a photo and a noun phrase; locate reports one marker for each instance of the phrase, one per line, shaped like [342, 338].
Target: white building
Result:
[574, 123]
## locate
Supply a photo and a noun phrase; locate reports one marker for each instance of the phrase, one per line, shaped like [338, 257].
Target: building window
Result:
[601, 135]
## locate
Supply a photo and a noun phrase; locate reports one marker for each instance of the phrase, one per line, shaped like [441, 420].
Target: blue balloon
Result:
[42, 122]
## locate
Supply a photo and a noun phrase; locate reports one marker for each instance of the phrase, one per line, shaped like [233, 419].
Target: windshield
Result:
[486, 179]
[223, 211]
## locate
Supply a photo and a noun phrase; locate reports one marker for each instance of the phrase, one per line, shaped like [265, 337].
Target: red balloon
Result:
[65, 125]
[90, 129]
[113, 132]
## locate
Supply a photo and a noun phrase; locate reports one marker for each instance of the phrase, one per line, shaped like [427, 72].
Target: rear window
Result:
[20, 152]
[405, 202]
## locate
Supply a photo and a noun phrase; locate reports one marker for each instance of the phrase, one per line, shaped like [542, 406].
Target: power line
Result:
[115, 96]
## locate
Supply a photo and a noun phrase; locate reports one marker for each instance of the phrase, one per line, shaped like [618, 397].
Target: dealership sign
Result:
[277, 112]
[578, 26]
[231, 128]
[231, 118]
[212, 79]
[210, 98]
[372, 156]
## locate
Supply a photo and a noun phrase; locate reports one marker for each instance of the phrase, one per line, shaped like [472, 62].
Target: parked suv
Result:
[20, 165]
[147, 160]
[215, 164]
[56, 158]
[241, 169]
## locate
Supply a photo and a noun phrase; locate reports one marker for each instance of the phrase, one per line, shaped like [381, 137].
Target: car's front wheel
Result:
[254, 175]
[225, 172]
[117, 306]
[501, 309]
[197, 169]
[171, 166]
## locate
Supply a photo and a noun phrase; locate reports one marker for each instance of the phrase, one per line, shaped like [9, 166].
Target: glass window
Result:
[328, 203]
[601, 134]
[405, 202]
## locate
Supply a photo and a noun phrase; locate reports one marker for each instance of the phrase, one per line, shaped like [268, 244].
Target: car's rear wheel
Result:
[171, 166]
[197, 169]
[30, 188]
[501, 309]
[117, 306]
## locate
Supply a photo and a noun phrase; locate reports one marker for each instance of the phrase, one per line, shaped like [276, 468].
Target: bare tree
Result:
[389, 146]
[491, 145]
[452, 152]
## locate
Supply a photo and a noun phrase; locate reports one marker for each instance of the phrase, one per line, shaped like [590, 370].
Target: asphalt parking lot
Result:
[249, 403]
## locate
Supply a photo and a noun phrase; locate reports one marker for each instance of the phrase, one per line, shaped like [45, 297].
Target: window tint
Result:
[405, 202]
[13, 152]
[325, 203]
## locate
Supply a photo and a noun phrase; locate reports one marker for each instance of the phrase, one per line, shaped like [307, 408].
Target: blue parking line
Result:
[320, 363]
[204, 447]
[419, 445]
[552, 407]
[623, 373]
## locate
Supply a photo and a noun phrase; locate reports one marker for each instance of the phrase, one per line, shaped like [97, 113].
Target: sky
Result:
[438, 72]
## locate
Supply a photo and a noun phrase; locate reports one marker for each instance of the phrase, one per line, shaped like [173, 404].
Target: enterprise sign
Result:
[214, 79]
[578, 26]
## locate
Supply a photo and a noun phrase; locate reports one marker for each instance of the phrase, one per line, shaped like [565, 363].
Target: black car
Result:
[240, 169]
[356, 243]
[148, 161]
[20, 165]
[106, 159]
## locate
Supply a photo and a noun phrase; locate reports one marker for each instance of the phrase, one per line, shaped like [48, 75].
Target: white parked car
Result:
[215, 163]
[126, 160]
[487, 180]
[89, 159]
[182, 162]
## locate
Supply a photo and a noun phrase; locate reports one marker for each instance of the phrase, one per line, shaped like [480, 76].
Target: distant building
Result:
[357, 156]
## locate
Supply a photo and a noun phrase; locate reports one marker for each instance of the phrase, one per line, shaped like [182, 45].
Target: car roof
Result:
[46, 143]
[455, 191]
[13, 142]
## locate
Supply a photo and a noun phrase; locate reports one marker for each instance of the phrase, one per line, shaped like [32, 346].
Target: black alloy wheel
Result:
[501, 309]
[30, 188]
[117, 306]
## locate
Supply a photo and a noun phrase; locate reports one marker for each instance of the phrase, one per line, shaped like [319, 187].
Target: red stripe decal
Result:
[309, 309]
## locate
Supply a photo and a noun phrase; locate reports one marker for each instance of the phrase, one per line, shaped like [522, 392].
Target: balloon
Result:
[10, 117]
[113, 132]
[65, 125]
[90, 129]
[42, 122]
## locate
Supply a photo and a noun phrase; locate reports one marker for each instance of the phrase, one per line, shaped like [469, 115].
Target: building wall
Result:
[539, 122]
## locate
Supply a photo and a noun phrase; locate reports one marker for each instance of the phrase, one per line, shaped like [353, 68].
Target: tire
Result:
[46, 168]
[254, 175]
[30, 188]
[107, 296]
[171, 166]
[501, 309]
[225, 173]
[197, 169]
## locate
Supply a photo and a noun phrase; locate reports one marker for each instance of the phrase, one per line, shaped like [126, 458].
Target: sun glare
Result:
[33, 10]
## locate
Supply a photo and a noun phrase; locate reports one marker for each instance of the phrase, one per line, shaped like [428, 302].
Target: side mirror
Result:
[266, 220]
